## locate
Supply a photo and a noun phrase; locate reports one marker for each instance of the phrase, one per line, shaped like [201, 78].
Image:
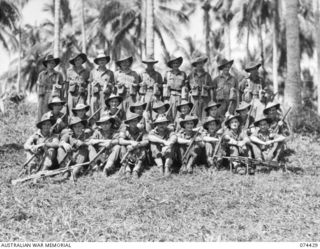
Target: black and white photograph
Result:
[159, 121]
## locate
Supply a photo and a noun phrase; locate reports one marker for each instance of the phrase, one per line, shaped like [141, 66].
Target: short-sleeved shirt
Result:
[128, 134]
[150, 78]
[175, 80]
[225, 87]
[78, 77]
[47, 79]
[127, 79]
[100, 134]
[38, 138]
[196, 80]
[101, 78]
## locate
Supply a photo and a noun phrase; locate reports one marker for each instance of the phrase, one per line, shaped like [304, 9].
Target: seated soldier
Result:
[42, 146]
[185, 137]
[114, 109]
[277, 125]
[184, 109]
[266, 146]
[74, 146]
[235, 144]
[160, 109]
[212, 110]
[59, 119]
[140, 109]
[210, 138]
[133, 142]
[105, 136]
[161, 142]
[243, 111]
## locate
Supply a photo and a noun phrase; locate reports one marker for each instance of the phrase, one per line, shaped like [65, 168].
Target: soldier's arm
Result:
[256, 140]
[31, 141]
[155, 139]
[54, 143]
[181, 140]
[123, 140]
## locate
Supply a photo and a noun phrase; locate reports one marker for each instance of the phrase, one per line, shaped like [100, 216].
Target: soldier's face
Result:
[133, 123]
[78, 61]
[234, 124]
[185, 109]
[212, 127]
[226, 69]
[125, 64]
[213, 111]
[81, 113]
[45, 128]
[114, 103]
[175, 65]
[243, 113]
[51, 65]
[150, 66]
[199, 65]
[162, 126]
[77, 129]
[102, 62]
[138, 110]
[56, 108]
[106, 125]
[263, 125]
[272, 112]
[189, 125]
[161, 110]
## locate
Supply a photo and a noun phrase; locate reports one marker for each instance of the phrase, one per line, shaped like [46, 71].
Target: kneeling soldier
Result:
[266, 146]
[74, 142]
[105, 135]
[133, 142]
[42, 146]
[161, 142]
[188, 139]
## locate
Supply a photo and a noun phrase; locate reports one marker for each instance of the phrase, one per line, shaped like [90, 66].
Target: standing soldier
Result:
[151, 85]
[49, 84]
[127, 82]
[101, 83]
[78, 77]
[200, 82]
[226, 88]
[175, 88]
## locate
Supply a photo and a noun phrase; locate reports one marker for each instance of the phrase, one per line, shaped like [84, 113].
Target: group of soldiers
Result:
[125, 121]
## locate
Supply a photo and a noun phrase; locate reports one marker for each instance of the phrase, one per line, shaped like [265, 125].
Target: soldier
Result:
[74, 144]
[212, 110]
[58, 117]
[266, 146]
[160, 109]
[42, 146]
[80, 110]
[235, 143]
[140, 109]
[243, 110]
[184, 109]
[78, 78]
[161, 142]
[200, 83]
[225, 86]
[49, 84]
[127, 82]
[114, 109]
[133, 142]
[175, 85]
[185, 137]
[101, 83]
[210, 138]
[151, 85]
[105, 135]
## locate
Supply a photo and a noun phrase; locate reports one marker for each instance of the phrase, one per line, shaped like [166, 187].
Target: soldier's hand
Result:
[227, 114]
[134, 144]
[130, 148]
[79, 143]
[67, 147]
[34, 149]
[59, 121]
[107, 144]
[280, 123]
[198, 139]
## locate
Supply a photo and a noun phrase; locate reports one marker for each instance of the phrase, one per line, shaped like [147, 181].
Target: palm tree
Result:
[83, 30]
[292, 87]
[317, 27]
[56, 41]
[150, 28]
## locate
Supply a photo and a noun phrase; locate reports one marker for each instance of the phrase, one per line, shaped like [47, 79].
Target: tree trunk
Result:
[275, 47]
[206, 19]
[292, 93]
[18, 84]
[143, 28]
[83, 30]
[56, 48]
[317, 27]
[247, 45]
[227, 41]
[150, 28]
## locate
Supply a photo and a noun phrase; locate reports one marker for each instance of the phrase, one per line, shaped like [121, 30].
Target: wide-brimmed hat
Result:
[252, 66]
[229, 118]
[77, 120]
[160, 104]
[149, 60]
[101, 55]
[209, 120]
[49, 58]
[189, 118]
[137, 104]
[224, 62]
[80, 107]
[113, 96]
[173, 59]
[184, 102]
[270, 105]
[132, 116]
[81, 55]
[55, 100]
[242, 106]
[212, 104]
[124, 58]
[198, 57]
[45, 117]
[260, 118]
[106, 118]
[161, 119]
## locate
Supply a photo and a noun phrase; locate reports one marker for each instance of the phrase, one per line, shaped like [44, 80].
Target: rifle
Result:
[56, 171]
[276, 129]
[96, 112]
[190, 146]
[246, 125]
[56, 123]
[249, 160]
[216, 149]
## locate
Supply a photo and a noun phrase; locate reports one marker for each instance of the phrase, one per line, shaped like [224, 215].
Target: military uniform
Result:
[151, 85]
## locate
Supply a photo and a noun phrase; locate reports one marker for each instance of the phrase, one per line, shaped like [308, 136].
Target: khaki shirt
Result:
[126, 80]
[225, 87]
[101, 80]
[199, 83]
[175, 80]
[46, 81]
[78, 78]
[150, 78]
[38, 138]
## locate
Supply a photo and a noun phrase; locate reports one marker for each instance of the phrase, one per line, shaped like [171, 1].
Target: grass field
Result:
[206, 206]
